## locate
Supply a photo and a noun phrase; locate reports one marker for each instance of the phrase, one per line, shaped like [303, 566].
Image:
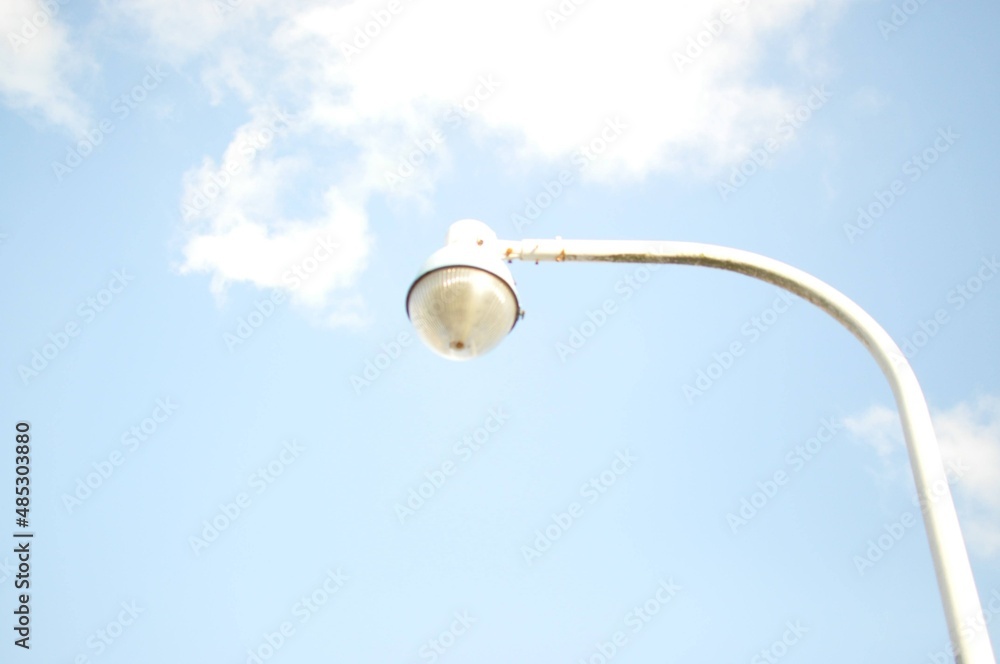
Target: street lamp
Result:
[463, 302]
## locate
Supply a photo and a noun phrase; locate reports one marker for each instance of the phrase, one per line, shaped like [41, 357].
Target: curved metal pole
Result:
[951, 561]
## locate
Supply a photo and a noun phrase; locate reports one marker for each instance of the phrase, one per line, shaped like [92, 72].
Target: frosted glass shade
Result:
[461, 312]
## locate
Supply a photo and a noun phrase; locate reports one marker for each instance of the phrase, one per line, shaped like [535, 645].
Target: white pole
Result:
[969, 637]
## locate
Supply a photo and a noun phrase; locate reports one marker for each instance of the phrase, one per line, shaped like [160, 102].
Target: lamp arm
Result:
[951, 561]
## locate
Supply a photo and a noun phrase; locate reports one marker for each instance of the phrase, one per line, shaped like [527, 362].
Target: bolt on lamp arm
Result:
[951, 561]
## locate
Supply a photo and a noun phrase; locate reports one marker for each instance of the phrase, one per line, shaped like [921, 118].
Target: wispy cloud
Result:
[37, 62]
[969, 436]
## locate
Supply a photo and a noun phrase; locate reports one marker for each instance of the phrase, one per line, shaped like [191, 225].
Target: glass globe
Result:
[461, 312]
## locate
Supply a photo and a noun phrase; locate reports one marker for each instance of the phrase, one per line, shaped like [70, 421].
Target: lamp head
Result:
[463, 301]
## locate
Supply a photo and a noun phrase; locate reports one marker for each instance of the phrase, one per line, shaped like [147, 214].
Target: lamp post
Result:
[464, 301]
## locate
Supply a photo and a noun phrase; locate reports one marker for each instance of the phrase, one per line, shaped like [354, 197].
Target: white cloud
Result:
[969, 436]
[181, 29]
[879, 426]
[558, 87]
[36, 63]
[376, 79]
[238, 229]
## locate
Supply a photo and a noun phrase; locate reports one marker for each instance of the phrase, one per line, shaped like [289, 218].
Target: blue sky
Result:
[240, 451]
